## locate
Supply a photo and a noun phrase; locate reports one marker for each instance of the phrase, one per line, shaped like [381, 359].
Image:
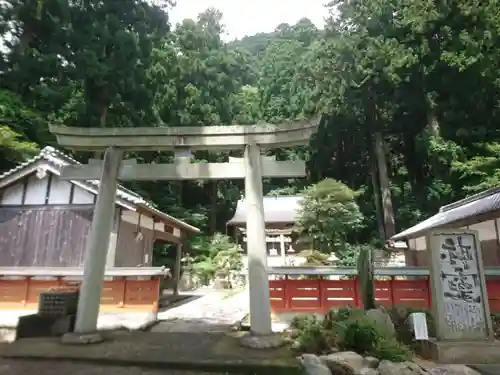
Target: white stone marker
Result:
[459, 298]
[418, 322]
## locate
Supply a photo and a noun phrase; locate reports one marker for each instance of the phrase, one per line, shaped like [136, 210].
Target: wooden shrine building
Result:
[44, 220]
[480, 212]
[44, 226]
[280, 214]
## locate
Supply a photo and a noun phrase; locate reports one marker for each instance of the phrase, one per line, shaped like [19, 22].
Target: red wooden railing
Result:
[321, 295]
[127, 289]
[117, 295]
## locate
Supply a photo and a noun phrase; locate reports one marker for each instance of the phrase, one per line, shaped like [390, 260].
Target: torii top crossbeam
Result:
[193, 138]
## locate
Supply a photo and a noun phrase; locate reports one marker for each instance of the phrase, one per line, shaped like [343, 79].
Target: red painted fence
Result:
[322, 295]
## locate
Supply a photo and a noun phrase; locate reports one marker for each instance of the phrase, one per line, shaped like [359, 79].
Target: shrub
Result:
[312, 337]
[360, 335]
[347, 329]
[364, 337]
[332, 317]
[390, 349]
[302, 321]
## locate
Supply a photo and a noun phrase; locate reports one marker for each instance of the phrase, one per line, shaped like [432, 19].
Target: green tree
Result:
[328, 214]
[19, 127]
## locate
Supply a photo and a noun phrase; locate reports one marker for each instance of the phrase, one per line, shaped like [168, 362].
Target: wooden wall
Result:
[488, 235]
[44, 221]
[43, 235]
[134, 250]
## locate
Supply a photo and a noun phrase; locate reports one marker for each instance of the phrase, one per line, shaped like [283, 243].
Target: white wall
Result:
[147, 222]
[49, 190]
[277, 261]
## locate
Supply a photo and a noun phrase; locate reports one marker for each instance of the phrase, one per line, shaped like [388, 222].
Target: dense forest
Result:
[408, 93]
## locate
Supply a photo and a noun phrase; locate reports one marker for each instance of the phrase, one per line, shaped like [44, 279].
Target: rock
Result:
[295, 345]
[368, 371]
[382, 320]
[403, 368]
[370, 362]
[450, 370]
[313, 366]
[262, 342]
[343, 363]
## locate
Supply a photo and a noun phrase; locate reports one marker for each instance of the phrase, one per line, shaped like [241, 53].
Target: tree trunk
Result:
[432, 121]
[389, 225]
[376, 197]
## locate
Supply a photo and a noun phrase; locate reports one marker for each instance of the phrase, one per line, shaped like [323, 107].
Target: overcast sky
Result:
[248, 17]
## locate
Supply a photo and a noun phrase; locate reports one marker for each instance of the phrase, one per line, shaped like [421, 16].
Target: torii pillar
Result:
[252, 138]
[258, 279]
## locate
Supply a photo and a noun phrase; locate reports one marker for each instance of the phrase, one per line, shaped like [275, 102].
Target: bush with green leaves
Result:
[332, 317]
[365, 337]
[216, 255]
[360, 335]
[391, 350]
[302, 321]
[347, 329]
[311, 336]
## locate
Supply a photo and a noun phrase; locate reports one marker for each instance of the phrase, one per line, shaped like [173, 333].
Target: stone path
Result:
[213, 352]
[487, 369]
[212, 312]
[18, 367]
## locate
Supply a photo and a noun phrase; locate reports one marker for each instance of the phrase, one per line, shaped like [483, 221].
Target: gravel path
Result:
[20, 367]
[212, 312]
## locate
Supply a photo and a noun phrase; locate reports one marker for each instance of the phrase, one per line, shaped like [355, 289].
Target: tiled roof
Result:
[58, 160]
[282, 209]
[468, 208]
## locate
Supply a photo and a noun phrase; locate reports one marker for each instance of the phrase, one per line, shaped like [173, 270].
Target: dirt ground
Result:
[22, 367]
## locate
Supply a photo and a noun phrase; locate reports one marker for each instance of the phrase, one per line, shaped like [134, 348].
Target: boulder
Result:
[403, 368]
[450, 370]
[273, 340]
[382, 320]
[371, 362]
[368, 371]
[343, 363]
[313, 366]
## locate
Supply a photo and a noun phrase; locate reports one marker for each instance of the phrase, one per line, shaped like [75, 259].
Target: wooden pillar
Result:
[282, 249]
[177, 269]
[97, 245]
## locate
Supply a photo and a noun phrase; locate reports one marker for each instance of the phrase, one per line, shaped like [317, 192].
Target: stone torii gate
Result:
[252, 167]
